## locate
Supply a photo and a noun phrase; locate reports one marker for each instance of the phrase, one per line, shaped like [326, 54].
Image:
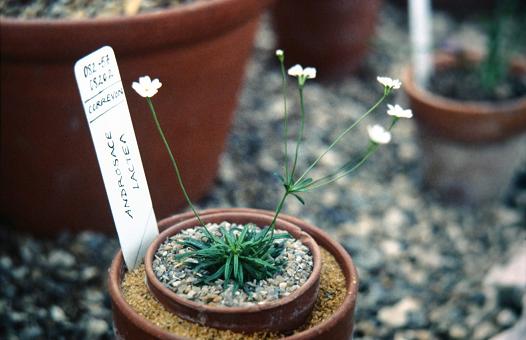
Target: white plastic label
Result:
[111, 128]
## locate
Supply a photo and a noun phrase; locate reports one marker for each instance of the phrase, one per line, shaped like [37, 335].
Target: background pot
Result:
[331, 35]
[130, 325]
[285, 314]
[48, 172]
[470, 150]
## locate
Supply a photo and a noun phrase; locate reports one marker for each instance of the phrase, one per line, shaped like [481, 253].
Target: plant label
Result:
[111, 128]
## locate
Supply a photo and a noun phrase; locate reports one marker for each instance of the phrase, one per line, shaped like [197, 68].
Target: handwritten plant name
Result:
[125, 162]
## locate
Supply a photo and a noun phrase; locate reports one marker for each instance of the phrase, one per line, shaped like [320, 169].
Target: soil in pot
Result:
[331, 295]
[294, 262]
[464, 83]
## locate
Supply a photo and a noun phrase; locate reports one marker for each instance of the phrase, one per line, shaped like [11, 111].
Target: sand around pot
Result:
[286, 313]
[330, 298]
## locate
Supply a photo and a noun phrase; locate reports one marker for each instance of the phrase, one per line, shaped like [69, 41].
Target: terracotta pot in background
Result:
[49, 174]
[285, 314]
[130, 325]
[470, 150]
[331, 35]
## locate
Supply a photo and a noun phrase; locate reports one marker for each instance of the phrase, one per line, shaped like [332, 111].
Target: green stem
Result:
[286, 132]
[174, 163]
[342, 135]
[300, 135]
[336, 176]
[271, 227]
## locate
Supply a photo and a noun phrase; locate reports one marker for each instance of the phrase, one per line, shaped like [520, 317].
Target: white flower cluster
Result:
[146, 87]
[377, 133]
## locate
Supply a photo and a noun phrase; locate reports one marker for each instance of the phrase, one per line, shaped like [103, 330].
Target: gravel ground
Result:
[423, 265]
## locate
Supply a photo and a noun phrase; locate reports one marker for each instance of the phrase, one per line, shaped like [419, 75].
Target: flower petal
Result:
[378, 134]
[295, 70]
[309, 72]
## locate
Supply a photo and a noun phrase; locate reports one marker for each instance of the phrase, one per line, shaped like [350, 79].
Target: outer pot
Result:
[331, 35]
[470, 150]
[285, 314]
[48, 171]
[130, 325]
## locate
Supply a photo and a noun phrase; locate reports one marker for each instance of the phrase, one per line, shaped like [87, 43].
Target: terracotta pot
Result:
[130, 325]
[285, 314]
[49, 174]
[331, 35]
[470, 150]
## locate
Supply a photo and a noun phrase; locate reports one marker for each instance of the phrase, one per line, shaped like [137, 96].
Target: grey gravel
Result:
[180, 278]
[405, 243]
[82, 9]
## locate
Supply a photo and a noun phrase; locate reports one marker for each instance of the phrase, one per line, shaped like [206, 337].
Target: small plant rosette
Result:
[284, 314]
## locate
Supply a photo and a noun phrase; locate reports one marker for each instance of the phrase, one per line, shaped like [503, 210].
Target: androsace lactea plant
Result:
[248, 253]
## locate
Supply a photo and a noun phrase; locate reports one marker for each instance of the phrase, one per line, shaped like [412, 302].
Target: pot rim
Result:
[462, 107]
[179, 25]
[181, 9]
[344, 261]
[296, 232]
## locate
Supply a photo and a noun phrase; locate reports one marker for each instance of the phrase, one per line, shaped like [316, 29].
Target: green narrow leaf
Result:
[228, 270]
[299, 198]
[193, 243]
[215, 275]
[228, 237]
[243, 235]
[241, 276]
[236, 266]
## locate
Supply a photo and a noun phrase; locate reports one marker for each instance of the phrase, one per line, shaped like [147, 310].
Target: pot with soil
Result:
[334, 35]
[472, 141]
[279, 301]
[139, 315]
[199, 48]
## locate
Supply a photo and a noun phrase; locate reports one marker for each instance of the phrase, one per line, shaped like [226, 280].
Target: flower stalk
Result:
[247, 254]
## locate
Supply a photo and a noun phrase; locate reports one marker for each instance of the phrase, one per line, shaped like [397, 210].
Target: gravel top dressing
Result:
[135, 291]
[82, 9]
[180, 278]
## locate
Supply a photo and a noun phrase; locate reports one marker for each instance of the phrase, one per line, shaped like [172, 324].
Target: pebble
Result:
[398, 315]
[61, 258]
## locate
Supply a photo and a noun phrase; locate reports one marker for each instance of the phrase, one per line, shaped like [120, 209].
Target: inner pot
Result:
[283, 314]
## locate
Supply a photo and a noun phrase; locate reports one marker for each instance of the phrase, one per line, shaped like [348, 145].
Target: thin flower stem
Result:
[334, 177]
[342, 135]
[286, 125]
[174, 163]
[300, 135]
[278, 210]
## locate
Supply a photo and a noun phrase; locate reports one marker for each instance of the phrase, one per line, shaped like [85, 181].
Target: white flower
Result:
[398, 111]
[146, 87]
[298, 71]
[378, 134]
[389, 83]
[279, 53]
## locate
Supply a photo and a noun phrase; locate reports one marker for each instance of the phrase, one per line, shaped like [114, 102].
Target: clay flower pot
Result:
[48, 171]
[128, 324]
[470, 150]
[331, 35]
[285, 314]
